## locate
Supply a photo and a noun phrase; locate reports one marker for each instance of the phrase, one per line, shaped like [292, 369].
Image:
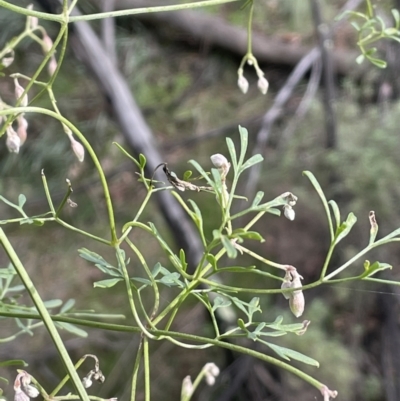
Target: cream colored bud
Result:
[297, 303]
[221, 163]
[263, 85]
[77, 147]
[13, 142]
[289, 212]
[22, 128]
[243, 84]
[19, 90]
[47, 43]
[87, 382]
[211, 371]
[52, 66]
[328, 394]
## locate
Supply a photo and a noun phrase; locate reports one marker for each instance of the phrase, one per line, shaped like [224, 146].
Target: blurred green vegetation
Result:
[185, 93]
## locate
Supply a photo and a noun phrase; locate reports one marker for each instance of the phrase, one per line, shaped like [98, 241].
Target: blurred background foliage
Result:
[188, 94]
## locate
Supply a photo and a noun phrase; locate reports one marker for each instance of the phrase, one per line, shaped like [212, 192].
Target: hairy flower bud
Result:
[296, 303]
[22, 387]
[211, 371]
[243, 84]
[8, 59]
[19, 90]
[262, 85]
[13, 142]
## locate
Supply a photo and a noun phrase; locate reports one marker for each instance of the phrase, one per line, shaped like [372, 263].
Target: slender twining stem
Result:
[146, 363]
[37, 300]
[136, 369]
[145, 10]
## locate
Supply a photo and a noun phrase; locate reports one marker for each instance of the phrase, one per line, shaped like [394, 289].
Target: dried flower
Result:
[52, 66]
[77, 147]
[263, 85]
[187, 387]
[22, 128]
[211, 371]
[19, 90]
[243, 84]
[13, 141]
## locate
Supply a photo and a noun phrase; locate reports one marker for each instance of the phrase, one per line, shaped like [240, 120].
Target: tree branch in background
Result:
[325, 43]
[108, 30]
[215, 31]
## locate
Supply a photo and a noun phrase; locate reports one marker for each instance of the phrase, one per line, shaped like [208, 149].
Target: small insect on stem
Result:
[175, 181]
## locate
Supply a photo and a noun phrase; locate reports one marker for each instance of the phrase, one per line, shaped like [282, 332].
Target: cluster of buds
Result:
[293, 279]
[95, 374]
[328, 394]
[291, 201]
[243, 84]
[24, 391]
[210, 371]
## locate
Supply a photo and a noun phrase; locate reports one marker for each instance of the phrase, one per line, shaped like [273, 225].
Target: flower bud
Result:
[52, 66]
[87, 382]
[47, 43]
[187, 387]
[263, 85]
[211, 371]
[327, 394]
[289, 212]
[13, 141]
[221, 163]
[243, 84]
[33, 22]
[22, 128]
[19, 90]
[7, 61]
[296, 303]
[77, 147]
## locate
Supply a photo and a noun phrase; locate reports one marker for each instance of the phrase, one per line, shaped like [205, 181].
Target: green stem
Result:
[136, 370]
[146, 369]
[249, 29]
[44, 315]
[327, 260]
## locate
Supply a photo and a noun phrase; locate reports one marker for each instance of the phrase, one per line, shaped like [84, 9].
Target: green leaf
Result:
[378, 62]
[289, 354]
[321, 194]
[108, 283]
[396, 16]
[257, 199]
[355, 25]
[127, 154]
[212, 261]
[370, 270]
[241, 324]
[198, 215]
[244, 141]
[259, 327]
[203, 173]
[142, 280]
[232, 152]
[13, 362]
[345, 227]
[171, 280]
[230, 248]
[72, 329]
[182, 257]
[248, 234]
[142, 161]
[67, 306]
[254, 306]
[21, 200]
[53, 303]
[251, 162]
[187, 174]
[360, 59]
[156, 269]
[220, 302]
[336, 212]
